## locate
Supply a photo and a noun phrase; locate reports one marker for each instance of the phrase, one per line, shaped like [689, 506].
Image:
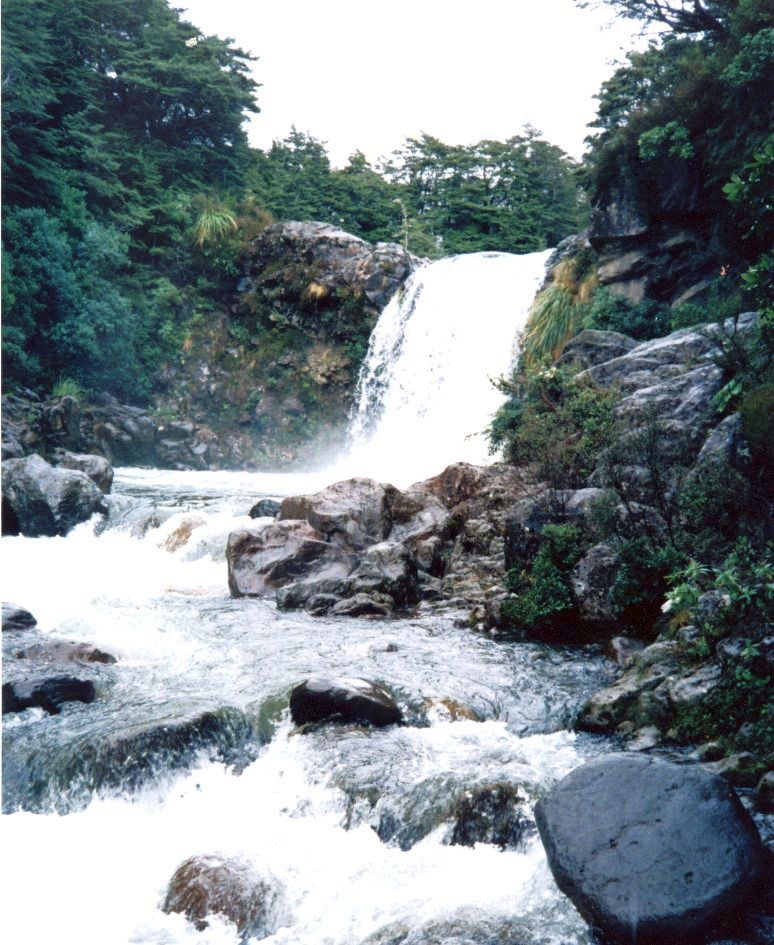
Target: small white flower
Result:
[666, 606]
[193, 41]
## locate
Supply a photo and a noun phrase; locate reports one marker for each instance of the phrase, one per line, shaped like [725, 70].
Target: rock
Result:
[359, 605]
[17, 618]
[449, 710]
[265, 508]
[264, 559]
[692, 690]
[40, 499]
[624, 649]
[321, 699]
[764, 793]
[649, 851]
[739, 769]
[46, 693]
[97, 468]
[492, 813]
[724, 444]
[65, 652]
[591, 347]
[457, 483]
[207, 885]
[354, 513]
[181, 535]
[386, 568]
[592, 581]
[645, 739]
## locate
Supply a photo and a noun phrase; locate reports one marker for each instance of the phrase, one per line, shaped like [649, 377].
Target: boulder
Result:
[649, 851]
[624, 649]
[65, 652]
[216, 885]
[263, 559]
[591, 347]
[97, 468]
[359, 605]
[386, 568]
[265, 508]
[764, 793]
[17, 618]
[354, 513]
[46, 693]
[180, 536]
[592, 581]
[491, 813]
[40, 499]
[321, 699]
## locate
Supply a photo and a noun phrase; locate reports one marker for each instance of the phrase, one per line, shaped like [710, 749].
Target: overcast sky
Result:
[361, 74]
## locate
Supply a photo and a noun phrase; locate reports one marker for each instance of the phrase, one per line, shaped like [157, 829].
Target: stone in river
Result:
[320, 699]
[46, 693]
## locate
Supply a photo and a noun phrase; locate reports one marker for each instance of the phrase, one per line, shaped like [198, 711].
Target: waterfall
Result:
[425, 394]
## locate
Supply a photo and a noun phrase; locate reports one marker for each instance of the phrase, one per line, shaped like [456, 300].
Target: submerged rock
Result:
[40, 499]
[46, 693]
[17, 618]
[320, 699]
[492, 813]
[649, 851]
[207, 885]
[65, 652]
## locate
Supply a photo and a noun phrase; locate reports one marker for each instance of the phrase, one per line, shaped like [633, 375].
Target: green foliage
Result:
[553, 320]
[645, 320]
[554, 423]
[542, 590]
[757, 409]
[67, 387]
[641, 581]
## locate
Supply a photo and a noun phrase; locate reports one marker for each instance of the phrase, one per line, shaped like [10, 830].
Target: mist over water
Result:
[91, 836]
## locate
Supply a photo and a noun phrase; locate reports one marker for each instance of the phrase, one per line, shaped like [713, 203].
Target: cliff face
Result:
[274, 375]
[660, 248]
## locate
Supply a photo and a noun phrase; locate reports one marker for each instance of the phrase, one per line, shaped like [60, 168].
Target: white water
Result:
[425, 395]
[302, 809]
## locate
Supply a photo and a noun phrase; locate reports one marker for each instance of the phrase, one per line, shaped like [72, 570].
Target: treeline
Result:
[130, 189]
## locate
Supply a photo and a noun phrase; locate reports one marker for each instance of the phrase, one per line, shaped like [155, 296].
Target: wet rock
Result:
[181, 535]
[624, 649]
[40, 499]
[457, 483]
[354, 513]
[359, 605]
[492, 813]
[263, 559]
[265, 508]
[740, 769]
[207, 885]
[321, 699]
[386, 568]
[649, 851]
[764, 793]
[46, 693]
[65, 652]
[645, 739]
[692, 690]
[17, 618]
[450, 710]
[97, 468]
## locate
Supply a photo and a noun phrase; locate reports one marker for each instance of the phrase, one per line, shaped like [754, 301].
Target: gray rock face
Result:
[649, 851]
[40, 499]
[17, 618]
[261, 560]
[320, 699]
[97, 468]
[591, 347]
[592, 581]
[207, 885]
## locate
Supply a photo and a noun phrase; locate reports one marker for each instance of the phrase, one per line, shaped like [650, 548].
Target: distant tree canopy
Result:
[679, 120]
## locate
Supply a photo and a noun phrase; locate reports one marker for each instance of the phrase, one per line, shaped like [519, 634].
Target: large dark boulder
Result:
[40, 499]
[17, 618]
[207, 885]
[320, 699]
[261, 560]
[46, 693]
[491, 813]
[265, 508]
[648, 851]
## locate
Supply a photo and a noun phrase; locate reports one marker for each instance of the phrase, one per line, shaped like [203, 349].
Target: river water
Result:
[99, 813]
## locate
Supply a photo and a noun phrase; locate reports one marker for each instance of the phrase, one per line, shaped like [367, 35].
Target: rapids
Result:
[91, 835]
[189, 748]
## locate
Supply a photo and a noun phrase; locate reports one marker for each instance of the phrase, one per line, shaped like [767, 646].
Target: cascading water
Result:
[425, 394]
[188, 748]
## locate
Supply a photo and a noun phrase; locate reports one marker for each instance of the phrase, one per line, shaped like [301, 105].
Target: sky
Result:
[365, 75]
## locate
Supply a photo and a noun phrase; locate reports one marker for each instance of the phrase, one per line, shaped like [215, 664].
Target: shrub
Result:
[67, 387]
[607, 312]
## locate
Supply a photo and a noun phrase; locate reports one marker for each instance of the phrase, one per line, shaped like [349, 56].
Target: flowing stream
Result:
[189, 748]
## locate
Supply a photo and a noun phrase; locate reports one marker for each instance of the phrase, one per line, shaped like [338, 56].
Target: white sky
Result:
[361, 74]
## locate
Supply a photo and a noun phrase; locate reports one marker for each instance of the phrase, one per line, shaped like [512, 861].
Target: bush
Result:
[643, 321]
[67, 387]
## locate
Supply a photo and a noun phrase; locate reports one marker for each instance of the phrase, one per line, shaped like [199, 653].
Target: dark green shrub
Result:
[607, 312]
